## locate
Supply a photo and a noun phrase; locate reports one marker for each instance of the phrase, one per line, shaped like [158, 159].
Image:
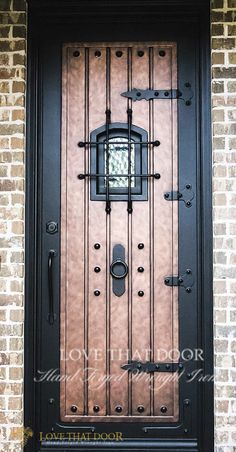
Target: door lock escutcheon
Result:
[118, 270]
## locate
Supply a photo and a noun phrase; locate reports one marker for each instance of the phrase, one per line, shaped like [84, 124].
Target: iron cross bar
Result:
[138, 367]
[109, 176]
[82, 144]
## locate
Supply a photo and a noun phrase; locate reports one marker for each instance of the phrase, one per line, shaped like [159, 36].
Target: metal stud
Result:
[157, 176]
[96, 408]
[76, 53]
[167, 366]
[188, 290]
[97, 246]
[140, 293]
[118, 409]
[73, 408]
[119, 53]
[162, 53]
[140, 246]
[163, 409]
[189, 271]
[97, 269]
[188, 186]
[97, 53]
[51, 401]
[140, 53]
[97, 293]
[140, 408]
[140, 269]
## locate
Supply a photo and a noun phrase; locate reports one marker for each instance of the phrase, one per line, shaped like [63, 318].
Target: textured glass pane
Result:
[118, 162]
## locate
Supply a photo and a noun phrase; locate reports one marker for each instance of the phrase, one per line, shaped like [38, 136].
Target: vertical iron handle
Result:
[51, 315]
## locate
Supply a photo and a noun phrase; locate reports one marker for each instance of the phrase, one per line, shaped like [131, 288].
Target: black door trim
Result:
[56, 21]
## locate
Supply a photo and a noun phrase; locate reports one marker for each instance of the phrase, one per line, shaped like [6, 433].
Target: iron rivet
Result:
[97, 269]
[163, 409]
[157, 176]
[140, 246]
[119, 53]
[166, 195]
[97, 293]
[140, 53]
[189, 376]
[188, 290]
[188, 103]
[167, 366]
[96, 409]
[140, 408]
[139, 366]
[181, 366]
[140, 293]
[188, 271]
[140, 269]
[97, 246]
[156, 143]
[188, 85]
[118, 409]
[188, 186]
[73, 408]
[185, 430]
[156, 93]
[157, 366]
[188, 204]
[138, 94]
[186, 402]
[76, 53]
[97, 53]
[162, 53]
[51, 401]
[180, 280]
[167, 281]
[166, 93]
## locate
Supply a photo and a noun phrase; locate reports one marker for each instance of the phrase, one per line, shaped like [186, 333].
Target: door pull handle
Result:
[51, 315]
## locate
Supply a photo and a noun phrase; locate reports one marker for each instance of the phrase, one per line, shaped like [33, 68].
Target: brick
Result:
[5, 5]
[232, 30]
[217, 29]
[218, 115]
[19, 31]
[19, 5]
[223, 72]
[4, 32]
[231, 87]
[15, 403]
[18, 59]
[12, 18]
[218, 58]
[220, 43]
[10, 45]
[232, 58]
[18, 115]
[217, 4]
[17, 143]
[4, 59]
[218, 87]
[18, 87]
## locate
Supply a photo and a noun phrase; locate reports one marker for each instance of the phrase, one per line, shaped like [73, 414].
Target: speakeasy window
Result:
[116, 159]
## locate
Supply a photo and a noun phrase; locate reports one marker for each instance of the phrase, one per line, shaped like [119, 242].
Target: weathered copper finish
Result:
[101, 332]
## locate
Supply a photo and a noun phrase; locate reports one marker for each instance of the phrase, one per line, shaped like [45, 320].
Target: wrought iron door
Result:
[119, 232]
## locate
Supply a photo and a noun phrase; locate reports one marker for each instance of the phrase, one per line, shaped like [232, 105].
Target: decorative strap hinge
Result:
[148, 367]
[186, 195]
[185, 94]
[186, 280]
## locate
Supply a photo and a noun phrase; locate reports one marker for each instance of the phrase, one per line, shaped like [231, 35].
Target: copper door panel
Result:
[99, 330]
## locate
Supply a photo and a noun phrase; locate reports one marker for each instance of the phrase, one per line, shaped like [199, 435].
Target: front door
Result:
[118, 284]
[119, 233]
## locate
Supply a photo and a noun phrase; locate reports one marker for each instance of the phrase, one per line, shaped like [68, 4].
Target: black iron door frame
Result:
[50, 24]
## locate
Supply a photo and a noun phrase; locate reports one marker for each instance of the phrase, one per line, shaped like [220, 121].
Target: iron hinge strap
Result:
[186, 94]
[138, 367]
[186, 195]
[185, 280]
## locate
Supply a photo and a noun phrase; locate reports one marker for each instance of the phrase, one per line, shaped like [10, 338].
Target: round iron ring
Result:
[120, 263]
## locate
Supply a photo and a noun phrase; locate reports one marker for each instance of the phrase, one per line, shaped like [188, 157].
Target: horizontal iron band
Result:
[108, 176]
[138, 367]
[82, 144]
